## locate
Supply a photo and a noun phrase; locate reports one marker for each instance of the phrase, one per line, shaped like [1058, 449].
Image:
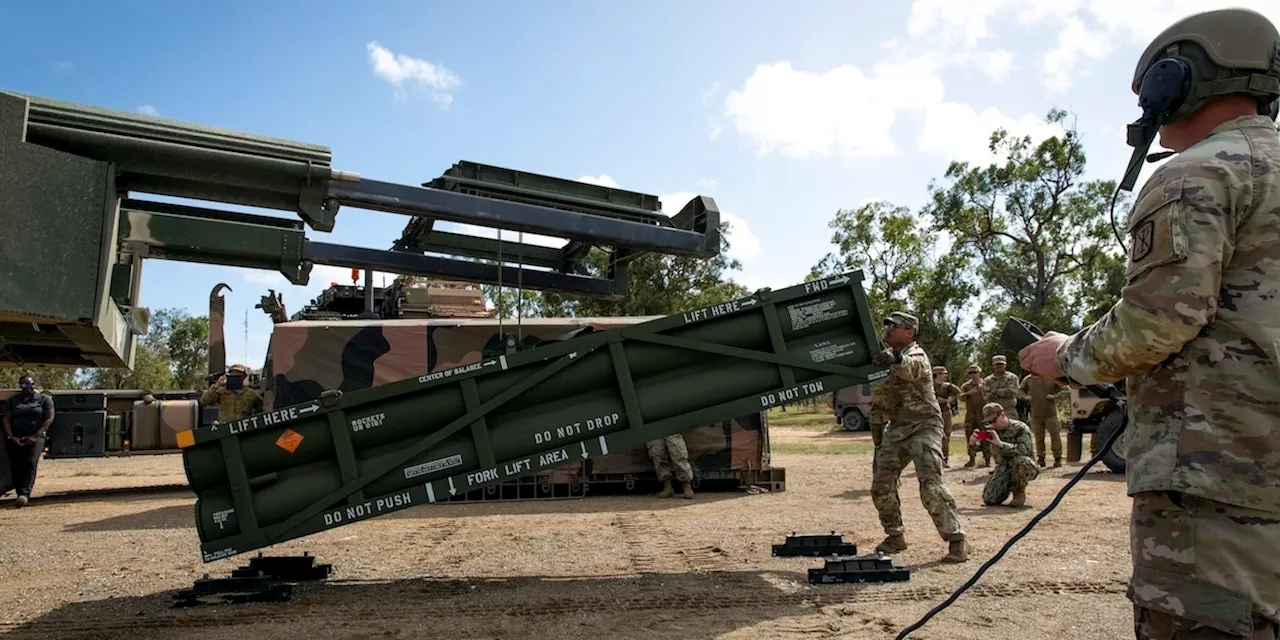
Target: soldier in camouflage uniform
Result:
[1002, 386]
[233, 399]
[945, 391]
[1011, 442]
[668, 452]
[1196, 337]
[1042, 395]
[971, 392]
[915, 434]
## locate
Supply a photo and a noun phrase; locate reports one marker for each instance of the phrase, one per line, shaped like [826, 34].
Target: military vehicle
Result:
[1099, 417]
[852, 407]
[76, 178]
[356, 449]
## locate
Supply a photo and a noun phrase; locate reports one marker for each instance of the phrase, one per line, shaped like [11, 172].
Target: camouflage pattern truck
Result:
[309, 357]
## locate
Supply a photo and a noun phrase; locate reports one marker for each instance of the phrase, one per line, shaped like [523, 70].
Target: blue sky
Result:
[782, 112]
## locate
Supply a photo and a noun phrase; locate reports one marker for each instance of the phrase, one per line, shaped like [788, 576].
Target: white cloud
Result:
[995, 64]
[1087, 30]
[401, 70]
[602, 180]
[841, 111]
[710, 93]
[957, 132]
[705, 182]
[148, 110]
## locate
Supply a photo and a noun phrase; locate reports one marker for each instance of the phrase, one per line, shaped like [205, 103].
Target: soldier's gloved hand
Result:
[888, 356]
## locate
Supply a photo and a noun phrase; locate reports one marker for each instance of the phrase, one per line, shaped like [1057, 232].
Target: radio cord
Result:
[1102, 451]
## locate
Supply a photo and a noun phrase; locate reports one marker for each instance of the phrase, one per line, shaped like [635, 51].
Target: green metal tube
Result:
[422, 440]
[405, 418]
[595, 413]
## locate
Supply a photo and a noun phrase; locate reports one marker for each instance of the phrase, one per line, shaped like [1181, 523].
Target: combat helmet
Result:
[1223, 52]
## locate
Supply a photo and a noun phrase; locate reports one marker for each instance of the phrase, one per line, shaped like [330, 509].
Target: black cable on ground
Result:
[1102, 451]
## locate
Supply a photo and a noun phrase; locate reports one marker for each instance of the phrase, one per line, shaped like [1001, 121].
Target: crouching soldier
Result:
[1010, 442]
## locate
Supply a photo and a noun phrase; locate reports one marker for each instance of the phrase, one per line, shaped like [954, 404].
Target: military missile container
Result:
[352, 455]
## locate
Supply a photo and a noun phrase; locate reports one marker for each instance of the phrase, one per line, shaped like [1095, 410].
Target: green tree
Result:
[942, 300]
[888, 244]
[188, 349]
[1033, 225]
[151, 371]
[47, 378]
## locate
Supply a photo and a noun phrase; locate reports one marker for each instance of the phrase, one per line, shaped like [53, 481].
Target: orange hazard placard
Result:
[289, 440]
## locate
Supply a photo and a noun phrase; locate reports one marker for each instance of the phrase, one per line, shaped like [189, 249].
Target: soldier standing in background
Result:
[971, 392]
[1042, 395]
[1011, 442]
[234, 400]
[915, 435]
[1194, 334]
[945, 391]
[1002, 386]
[668, 452]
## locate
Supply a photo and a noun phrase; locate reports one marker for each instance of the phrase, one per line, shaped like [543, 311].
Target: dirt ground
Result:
[90, 558]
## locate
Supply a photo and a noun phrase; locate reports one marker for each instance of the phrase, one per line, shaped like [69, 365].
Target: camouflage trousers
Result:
[1010, 474]
[922, 445]
[969, 427]
[947, 425]
[1203, 569]
[877, 433]
[1040, 425]
[668, 452]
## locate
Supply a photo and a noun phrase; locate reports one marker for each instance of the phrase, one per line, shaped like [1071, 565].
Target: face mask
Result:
[235, 382]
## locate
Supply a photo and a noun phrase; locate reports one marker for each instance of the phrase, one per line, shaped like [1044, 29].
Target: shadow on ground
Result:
[115, 494]
[649, 606]
[183, 516]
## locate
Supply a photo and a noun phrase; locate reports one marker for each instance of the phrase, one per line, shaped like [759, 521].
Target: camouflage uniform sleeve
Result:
[210, 395]
[954, 390]
[1181, 231]
[257, 403]
[911, 368]
[1020, 444]
[1005, 391]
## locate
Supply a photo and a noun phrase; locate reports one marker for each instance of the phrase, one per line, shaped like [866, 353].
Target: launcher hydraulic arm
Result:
[343, 458]
[75, 236]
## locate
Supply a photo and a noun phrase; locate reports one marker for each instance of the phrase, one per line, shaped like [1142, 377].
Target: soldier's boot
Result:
[1019, 498]
[972, 461]
[1057, 461]
[667, 491]
[958, 552]
[1041, 461]
[986, 460]
[20, 502]
[688, 490]
[892, 544]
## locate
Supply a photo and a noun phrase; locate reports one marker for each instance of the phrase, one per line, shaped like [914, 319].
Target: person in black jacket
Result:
[27, 416]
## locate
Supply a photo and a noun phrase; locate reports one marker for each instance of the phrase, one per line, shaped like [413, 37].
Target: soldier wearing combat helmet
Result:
[1196, 335]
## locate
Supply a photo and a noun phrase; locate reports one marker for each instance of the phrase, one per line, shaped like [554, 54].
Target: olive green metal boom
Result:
[344, 458]
[74, 237]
